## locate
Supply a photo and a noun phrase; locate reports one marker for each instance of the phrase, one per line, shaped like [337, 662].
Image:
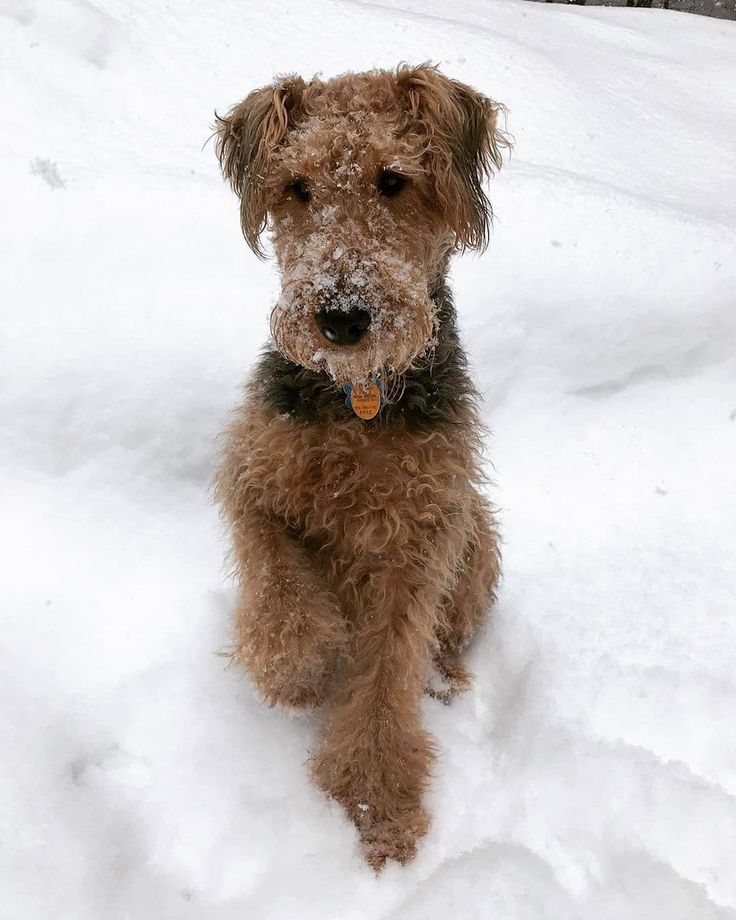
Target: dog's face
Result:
[369, 182]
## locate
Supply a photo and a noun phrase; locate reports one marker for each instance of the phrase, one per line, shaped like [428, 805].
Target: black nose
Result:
[343, 327]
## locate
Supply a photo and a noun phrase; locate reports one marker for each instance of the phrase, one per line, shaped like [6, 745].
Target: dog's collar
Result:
[365, 400]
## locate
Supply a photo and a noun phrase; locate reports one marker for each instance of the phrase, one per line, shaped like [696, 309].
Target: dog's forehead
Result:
[371, 91]
[352, 143]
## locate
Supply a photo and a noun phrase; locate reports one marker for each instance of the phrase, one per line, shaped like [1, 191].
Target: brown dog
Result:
[364, 546]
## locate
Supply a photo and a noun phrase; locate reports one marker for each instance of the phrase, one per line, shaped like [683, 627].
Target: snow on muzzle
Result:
[352, 316]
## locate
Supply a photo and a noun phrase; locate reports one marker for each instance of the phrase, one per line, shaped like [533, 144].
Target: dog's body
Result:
[365, 548]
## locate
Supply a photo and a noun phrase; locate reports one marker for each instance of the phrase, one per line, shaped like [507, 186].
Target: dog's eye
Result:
[390, 183]
[300, 188]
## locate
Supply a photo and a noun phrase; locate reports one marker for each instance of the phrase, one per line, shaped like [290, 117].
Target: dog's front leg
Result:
[289, 629]
[375, 757]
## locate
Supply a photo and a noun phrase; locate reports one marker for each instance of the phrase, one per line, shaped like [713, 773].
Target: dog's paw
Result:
[291, 680]
[294, 696]
[291, 651]
[389, 828]
[455, 677]
[384, 838]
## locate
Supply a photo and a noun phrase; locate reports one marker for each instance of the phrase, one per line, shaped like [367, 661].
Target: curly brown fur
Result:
[366, 550]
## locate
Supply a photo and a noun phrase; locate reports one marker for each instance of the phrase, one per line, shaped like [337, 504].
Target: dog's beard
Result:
[402, 323]
[325, 273]
[389, 347]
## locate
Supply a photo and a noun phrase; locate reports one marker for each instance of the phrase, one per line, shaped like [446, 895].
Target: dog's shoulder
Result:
[281, 387]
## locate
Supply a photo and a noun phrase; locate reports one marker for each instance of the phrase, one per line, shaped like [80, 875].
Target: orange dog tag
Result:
[366, 400]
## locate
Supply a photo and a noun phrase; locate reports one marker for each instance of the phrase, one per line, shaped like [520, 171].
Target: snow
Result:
[591, 771]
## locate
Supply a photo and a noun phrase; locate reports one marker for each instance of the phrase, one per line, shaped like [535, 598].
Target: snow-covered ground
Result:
[591, 772]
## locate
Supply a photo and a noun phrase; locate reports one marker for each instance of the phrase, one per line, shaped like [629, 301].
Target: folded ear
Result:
[465, 145]
[247, 138]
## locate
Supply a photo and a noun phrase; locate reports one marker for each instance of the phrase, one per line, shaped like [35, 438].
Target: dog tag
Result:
[365, 400]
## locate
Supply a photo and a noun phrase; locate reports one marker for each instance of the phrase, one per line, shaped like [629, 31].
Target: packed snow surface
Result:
[591, 771]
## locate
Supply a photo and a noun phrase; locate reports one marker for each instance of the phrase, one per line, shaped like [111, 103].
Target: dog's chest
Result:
[351, 477]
